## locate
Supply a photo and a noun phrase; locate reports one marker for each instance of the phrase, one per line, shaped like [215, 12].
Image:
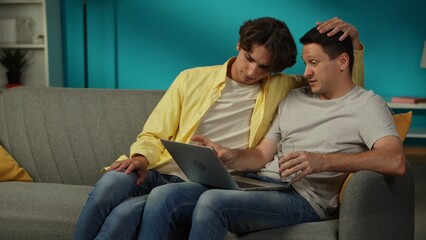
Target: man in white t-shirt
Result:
[335, 128]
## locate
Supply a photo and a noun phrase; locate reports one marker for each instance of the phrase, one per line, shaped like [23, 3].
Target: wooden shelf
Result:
[21, 1]
[415, 151]
[37, 70]
[417, 133]
[407, 105]
[23, 46]
[413, 132]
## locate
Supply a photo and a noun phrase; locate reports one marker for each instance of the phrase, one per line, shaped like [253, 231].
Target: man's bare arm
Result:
[386, 157]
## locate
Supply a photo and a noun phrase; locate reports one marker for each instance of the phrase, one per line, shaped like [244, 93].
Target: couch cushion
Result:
[40, 210]
[324, 230]
[66, 135]
[10, 169]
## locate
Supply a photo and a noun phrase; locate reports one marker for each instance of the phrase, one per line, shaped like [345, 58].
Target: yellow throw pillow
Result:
[10, 170]
[402, 123]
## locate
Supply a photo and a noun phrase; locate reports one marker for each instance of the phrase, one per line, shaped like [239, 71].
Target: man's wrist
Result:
[357, 45]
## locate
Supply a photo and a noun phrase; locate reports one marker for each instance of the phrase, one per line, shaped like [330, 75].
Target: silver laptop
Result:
[200, 164]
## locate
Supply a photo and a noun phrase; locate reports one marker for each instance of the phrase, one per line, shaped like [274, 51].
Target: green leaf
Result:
[14, 60]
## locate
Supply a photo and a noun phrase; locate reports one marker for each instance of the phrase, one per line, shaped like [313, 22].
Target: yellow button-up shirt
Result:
[194, 91]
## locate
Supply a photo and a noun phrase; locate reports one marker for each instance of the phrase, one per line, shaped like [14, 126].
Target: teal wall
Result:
[72, 31]
[144, 44]
[54, 40]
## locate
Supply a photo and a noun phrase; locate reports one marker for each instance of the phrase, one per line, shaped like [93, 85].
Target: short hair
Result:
[275, 36]
[332, 46]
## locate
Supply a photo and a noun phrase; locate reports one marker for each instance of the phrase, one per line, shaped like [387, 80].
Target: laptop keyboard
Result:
[246, 185]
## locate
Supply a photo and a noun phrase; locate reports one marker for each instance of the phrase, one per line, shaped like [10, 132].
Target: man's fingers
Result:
[115, 165]
[141, 178]
[336, 25]
[129, 168]
[344, 36]
[329, 24]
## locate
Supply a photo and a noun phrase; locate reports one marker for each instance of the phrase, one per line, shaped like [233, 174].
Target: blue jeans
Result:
[115, 205]
[211, 213]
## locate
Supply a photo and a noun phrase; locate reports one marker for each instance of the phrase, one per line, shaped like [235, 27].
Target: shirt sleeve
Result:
[376, 121]
[161, 124]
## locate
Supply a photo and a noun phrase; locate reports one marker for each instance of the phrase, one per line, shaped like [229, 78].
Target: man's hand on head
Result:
[336, 25]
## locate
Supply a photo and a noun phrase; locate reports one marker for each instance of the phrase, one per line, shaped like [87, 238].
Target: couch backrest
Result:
[66, 135]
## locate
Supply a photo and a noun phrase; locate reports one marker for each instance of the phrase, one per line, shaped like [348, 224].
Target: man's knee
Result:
[212, 199]
[111, 185]
[162, 192]
[116, 179]
[130, 209]
[174, 197]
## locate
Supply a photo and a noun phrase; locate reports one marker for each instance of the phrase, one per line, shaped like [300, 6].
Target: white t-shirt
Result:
[349, 124]
[227, 122]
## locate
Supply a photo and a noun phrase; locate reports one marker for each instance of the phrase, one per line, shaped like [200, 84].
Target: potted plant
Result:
[14, 60]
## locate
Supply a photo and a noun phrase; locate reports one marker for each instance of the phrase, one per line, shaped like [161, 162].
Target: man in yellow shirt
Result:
[232, 104]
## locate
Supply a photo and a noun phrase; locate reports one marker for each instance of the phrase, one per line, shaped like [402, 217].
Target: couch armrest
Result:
[375, 206]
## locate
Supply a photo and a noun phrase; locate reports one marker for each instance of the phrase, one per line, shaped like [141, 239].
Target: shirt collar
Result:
[221, 78]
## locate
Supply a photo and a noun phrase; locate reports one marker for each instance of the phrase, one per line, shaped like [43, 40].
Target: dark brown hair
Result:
[332, 46]
[275, 36]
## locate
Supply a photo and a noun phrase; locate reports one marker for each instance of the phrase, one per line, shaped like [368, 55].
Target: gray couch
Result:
[62, 137]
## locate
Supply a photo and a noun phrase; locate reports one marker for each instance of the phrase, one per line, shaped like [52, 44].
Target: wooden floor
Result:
[417, 158]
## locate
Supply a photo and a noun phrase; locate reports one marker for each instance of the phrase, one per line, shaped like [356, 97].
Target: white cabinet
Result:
[43, 61]
[415, 132]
